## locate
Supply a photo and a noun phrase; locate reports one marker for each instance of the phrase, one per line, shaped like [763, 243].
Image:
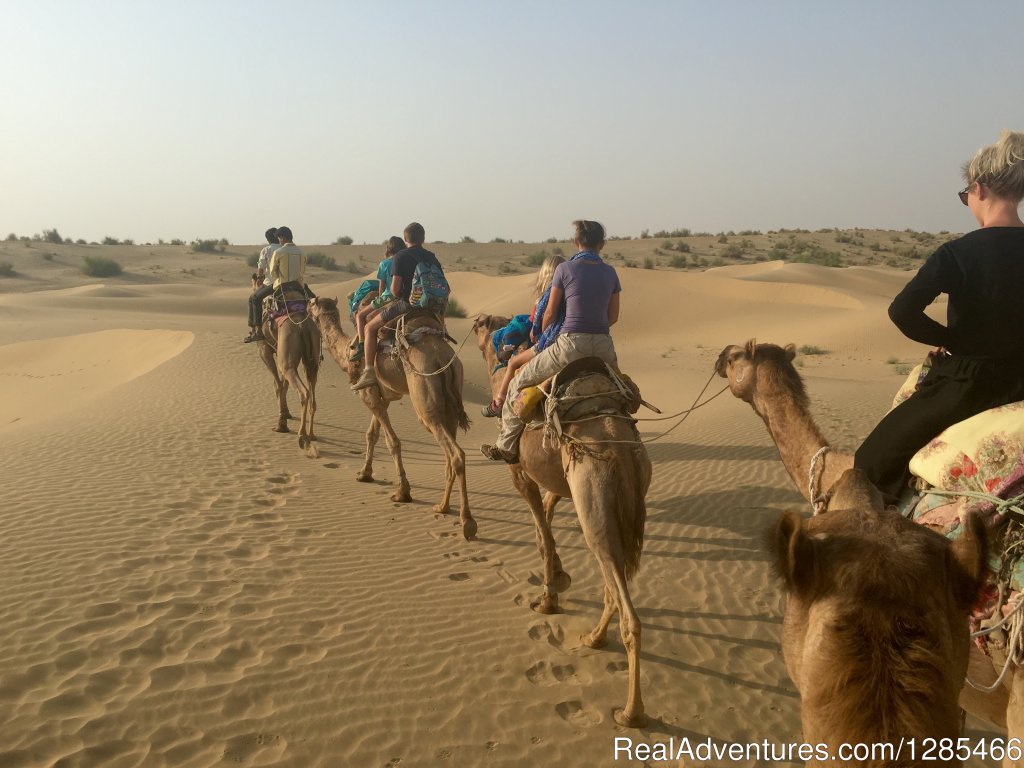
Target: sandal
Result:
[492, 409]
[357, 355]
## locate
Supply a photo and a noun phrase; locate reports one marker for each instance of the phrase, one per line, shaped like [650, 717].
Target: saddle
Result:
[288, 301]
[410, 328]
[585, 387]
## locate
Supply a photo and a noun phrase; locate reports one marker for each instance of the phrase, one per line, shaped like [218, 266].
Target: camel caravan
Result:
[904, 580]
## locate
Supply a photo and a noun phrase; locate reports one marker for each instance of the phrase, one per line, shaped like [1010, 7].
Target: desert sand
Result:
[181, 586]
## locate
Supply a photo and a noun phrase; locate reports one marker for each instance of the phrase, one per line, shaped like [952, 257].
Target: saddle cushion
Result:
[976, 454]
[584, 389]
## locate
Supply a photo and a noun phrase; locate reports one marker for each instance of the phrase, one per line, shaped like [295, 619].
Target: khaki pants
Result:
[563, 350]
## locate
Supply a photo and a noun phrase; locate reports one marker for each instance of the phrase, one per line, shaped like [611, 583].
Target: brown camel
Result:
[607, 480]
[875, 633]
[434, 386]
[296, 340]
[763, 375]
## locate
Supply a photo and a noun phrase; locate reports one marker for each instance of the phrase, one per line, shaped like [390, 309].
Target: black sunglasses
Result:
[963, 194]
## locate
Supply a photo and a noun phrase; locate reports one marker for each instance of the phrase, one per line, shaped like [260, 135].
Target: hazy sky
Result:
[202, 118]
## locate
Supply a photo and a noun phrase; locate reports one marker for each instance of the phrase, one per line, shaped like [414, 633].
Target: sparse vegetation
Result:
[454, 308]
[100, 266]
[535, 259]
[210, 246]
[6, 269]
[108, 240]
[343, 240]
[52, 236]
[467, 239]
[810, 349]
[252, 260]
[12, 237]
[322, 260]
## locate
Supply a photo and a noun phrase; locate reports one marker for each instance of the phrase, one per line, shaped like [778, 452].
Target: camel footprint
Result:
[576, 713]
[458, 576]
[543, 631]
[543, 673]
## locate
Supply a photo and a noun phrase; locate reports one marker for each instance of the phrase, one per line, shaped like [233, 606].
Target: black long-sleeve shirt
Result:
[983, 274]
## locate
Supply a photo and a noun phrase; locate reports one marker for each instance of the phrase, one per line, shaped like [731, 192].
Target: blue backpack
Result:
[364, 288]
[429, 285]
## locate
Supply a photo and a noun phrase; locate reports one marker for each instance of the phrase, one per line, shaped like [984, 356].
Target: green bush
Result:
[252, 259]
[209, 246]
[810, 349]
[678, 262]
[467, 239]
[322, 260]
[535, 259]
[52, 236]
[99, 266]
[343, 240]
[454, 308]
[6, 270]
[108, 240]
[12, 237]
[648, 263]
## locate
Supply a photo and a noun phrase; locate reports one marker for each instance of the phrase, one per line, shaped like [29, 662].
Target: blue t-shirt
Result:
[545, 337]
[384, 271]
[587, 284]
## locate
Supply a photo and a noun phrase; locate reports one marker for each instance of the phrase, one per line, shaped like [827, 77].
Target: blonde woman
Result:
[979, 363]
[540, 338]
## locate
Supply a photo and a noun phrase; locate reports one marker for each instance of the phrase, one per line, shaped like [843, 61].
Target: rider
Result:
[384, 296]
[980, 360]
[265, 287]
[401, 286]
[590, 289]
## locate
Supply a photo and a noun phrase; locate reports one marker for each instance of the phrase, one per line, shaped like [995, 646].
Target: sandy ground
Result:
[181, 586]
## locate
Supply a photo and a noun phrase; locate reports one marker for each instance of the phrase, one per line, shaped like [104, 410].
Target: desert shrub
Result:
[177, 241]
[252, 259]
[343, 240]
[648, 263]
[733, 251]
[108, 240]
[466, 239]
[683, 247]
[454, 308]
[499, 240]
[52, 236]
[535, 259]
[322, 260]
[80, 241]
[678, 261]
[209, 246]
[507, 269]
[551, 240]
[99, 266]
[49, 256]
[723, 238]
[12, 237]
[6, 270]
[810, 349]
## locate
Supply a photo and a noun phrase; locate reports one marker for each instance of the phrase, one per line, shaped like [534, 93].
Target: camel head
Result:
[748, 366]
[484, 326]
[321, 306]
[875, 632]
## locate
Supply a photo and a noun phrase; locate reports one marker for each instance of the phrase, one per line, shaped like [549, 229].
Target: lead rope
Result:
[818, 503]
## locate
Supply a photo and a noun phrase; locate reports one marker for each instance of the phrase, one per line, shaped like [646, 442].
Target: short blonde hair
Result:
[547, 272]
[1000, 166]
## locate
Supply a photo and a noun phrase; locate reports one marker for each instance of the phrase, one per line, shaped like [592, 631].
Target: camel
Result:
[607, 480]
[763, 375]
[283, 348]
[436, 399]
[877, 659]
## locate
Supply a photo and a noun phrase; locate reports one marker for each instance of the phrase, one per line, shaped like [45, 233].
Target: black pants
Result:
[256, 304]
[955, 389]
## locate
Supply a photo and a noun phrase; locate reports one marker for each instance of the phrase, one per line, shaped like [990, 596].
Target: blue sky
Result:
[186, 119]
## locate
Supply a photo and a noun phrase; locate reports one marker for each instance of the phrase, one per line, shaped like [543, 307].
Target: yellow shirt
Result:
[286, 264]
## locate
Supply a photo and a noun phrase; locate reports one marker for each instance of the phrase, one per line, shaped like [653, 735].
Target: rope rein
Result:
[820, 501]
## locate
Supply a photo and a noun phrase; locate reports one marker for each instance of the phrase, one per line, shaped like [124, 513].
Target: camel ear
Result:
[750, 348]
[481, 321]
[793, 552]
[790, 352]
[969, 560]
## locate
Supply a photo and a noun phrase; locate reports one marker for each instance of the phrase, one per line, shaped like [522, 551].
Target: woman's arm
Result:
[613, 309]
[907, 309]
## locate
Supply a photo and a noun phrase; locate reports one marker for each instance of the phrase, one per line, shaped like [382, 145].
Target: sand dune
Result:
[183, 587]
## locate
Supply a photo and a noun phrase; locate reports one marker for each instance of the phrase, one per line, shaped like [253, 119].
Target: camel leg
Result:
[547, 602]
[280, 388]
[455, 467]
[562, 580]
[598, 637]
[365, 475]
[598, 511]
[403, 494]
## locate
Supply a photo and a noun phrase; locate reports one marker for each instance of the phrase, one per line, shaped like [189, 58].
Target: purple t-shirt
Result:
[588, 285]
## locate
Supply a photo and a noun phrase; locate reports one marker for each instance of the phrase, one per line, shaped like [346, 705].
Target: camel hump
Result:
[853, 490]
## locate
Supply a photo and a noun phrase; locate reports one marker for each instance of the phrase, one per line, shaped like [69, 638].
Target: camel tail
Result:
[629, 492]
[453, 395]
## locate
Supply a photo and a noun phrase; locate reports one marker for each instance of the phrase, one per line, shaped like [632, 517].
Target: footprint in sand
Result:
[617, 666]
[450, 555]
[574, 712]
[446, 535]
[543, 673]
[458, 576]
[544, 632]
[332, 465]
[507, 576]
[479, 559]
